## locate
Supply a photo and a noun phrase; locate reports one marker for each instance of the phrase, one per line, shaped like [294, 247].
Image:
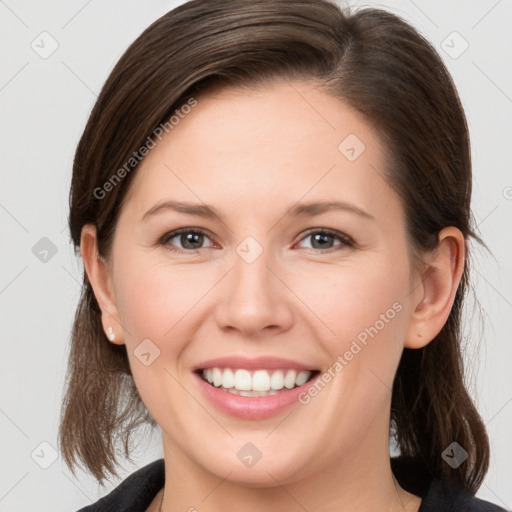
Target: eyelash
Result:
[345, 240]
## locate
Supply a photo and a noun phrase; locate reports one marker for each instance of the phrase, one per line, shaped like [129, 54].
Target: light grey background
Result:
[45, 104]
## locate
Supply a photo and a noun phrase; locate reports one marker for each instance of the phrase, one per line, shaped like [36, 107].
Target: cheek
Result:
[154, 298]
[363, 312]
[367, 311]
[349, 297]
[156, 305]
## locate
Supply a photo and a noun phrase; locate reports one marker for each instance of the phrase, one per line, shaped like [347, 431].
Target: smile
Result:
[255, 383]
[257, 399]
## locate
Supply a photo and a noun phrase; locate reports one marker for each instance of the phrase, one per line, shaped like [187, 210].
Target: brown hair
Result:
[370, 59]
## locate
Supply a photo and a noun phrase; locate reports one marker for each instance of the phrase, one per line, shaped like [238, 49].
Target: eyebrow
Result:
[299, 210]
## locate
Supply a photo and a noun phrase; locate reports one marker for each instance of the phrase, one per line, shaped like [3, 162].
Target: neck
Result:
[342, 485]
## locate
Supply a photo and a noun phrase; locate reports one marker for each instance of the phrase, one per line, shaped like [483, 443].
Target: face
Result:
[265, 284]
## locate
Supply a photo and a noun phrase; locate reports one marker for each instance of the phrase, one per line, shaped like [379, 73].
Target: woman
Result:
[272, 204]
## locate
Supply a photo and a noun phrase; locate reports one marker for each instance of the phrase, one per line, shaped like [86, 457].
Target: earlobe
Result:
[435, 293]
[98, 275]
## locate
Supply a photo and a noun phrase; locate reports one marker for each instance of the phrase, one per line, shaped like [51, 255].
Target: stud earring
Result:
[111, 335]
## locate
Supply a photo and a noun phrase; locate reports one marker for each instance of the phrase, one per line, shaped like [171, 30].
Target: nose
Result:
[254, 300]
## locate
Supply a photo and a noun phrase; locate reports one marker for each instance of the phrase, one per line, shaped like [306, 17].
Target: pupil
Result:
[191, 238]
[318, 237]
[319, 240]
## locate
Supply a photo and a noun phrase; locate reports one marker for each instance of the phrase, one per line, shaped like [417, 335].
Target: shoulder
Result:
[135, 493]
[445, 496]
[438, 495]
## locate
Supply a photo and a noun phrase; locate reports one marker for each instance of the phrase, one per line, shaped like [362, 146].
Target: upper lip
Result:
[261, 362]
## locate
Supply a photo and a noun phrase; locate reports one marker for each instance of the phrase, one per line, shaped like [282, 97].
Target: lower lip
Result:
[252, 407]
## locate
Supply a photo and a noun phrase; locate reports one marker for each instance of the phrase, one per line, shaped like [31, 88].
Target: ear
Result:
[433, 296]
[98, 273]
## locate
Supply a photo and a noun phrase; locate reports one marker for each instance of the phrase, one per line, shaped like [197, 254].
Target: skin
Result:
[252, 155]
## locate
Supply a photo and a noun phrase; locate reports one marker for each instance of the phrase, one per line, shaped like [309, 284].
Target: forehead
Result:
[259, 148]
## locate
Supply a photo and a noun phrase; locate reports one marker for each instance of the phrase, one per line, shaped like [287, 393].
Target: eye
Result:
[322, 239]
[191, 239]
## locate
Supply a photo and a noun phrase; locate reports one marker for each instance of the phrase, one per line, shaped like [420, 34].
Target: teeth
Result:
[217, 377]
[302, 378]
[289, 380]
[258, 383]
[243, 380]
[228, 379]
[277, 380]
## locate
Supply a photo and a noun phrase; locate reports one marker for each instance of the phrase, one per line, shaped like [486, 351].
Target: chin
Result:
[263, 473]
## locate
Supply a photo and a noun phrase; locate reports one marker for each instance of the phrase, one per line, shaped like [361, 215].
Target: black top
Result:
[137, 491]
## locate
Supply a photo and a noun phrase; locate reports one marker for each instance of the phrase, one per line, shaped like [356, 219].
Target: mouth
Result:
[257, 382]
